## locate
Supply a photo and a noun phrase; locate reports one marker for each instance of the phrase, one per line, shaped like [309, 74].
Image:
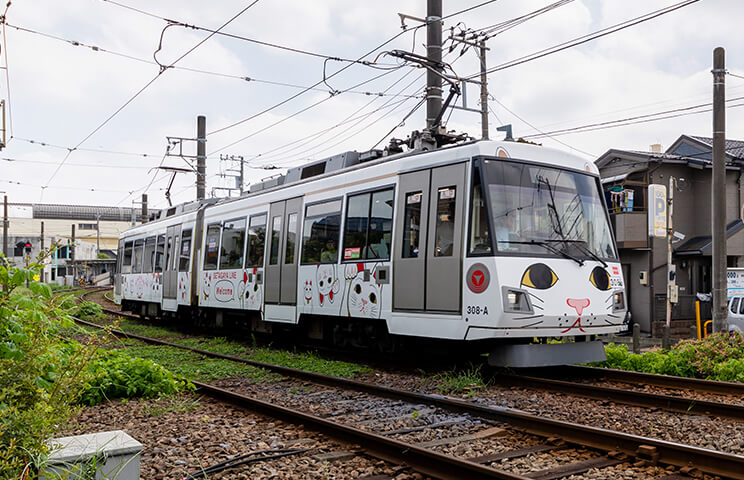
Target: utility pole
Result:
[484, 90]
[43, 262]
[143, 213]
[5, 226]
[98, 233]
[718, 192]
[72, 253]
[434, 55]
[201, 156]
[671, 269]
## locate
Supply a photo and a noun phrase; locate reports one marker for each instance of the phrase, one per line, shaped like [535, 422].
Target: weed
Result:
[173, 404]
[308, 361]
[469, 381]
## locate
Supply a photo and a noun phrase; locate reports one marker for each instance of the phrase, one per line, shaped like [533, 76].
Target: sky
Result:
[88, 109]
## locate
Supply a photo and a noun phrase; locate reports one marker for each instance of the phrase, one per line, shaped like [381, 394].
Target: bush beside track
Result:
[718, 357]
[46, 374]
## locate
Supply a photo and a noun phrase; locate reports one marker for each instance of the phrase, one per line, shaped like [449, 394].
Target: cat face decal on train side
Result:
[571, 301]
[326, 281]
[364, 297]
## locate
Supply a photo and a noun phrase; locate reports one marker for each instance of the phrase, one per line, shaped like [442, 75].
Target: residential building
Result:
[625, 176]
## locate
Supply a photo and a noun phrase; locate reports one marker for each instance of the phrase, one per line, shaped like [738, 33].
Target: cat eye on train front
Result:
[539, 276]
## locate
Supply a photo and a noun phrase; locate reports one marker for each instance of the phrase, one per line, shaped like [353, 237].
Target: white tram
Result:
[497, 245]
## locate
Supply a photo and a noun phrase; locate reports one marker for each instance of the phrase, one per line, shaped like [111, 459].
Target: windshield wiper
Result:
[548, 246]
[581, 245]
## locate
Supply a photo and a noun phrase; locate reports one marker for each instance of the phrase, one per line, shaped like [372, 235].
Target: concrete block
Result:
[104, 455]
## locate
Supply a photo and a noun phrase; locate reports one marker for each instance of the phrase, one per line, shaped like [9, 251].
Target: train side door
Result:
[428, 240]
[170, 272]
[282, 245]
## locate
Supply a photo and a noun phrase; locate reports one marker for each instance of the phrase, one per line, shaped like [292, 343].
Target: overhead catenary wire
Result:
[116, 112]
[586, 38]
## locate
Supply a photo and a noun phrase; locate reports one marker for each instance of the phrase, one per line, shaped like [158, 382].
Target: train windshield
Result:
[545, 211]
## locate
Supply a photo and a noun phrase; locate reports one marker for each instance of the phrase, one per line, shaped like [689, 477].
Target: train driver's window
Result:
[320, 232]
[211, 252]
[185, 251]
[159, 254]
[137, 262]
[276, 226]
[149, 260]
[412, 225]
[480, 243]
[445, 227]
[232, 244]
[256, 238]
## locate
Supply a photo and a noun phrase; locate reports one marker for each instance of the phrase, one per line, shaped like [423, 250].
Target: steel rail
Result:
[668, 381]
[670, 453]
[428, 462]
[630, 397]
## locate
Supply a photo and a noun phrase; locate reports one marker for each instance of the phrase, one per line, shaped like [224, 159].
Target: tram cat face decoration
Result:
[364, 298]
[326, 281]
[207, 286]
[252, 294]
[548, 293]
[308, 292]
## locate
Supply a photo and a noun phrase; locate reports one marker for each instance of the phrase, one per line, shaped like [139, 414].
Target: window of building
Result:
[232, 244]
[412, 225]
[320, 234]
[256, 240]
[128, 253]
[211, 250]
[276, 226]
[479, 242]
[185, 251]
[369, 226]
[137, 265]
[149, 258]
[289, 251]
[87, 226]
[159, 254]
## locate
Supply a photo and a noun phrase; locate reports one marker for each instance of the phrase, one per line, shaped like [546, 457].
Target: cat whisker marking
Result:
[532, 324]
[613, 316]
[609, 299]
[535, 297]
[538, 307]
[609, 322]
[528, 318]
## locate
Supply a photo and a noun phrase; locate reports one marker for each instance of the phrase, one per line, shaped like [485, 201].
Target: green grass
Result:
[308, 361]
[215, 344]
[468, 381]
[162, 406]
[137, 328]
[193, 366]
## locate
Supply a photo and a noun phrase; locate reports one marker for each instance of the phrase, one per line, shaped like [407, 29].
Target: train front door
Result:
[170, 271]
[427, 272]
[282, 247]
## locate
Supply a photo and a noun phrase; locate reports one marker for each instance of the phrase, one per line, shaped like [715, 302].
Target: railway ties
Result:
[436, 434]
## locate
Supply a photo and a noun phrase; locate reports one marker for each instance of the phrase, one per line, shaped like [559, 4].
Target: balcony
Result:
[631, 229]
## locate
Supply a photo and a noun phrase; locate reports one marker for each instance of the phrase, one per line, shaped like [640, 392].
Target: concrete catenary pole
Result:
[143, 213]
[5, 226]
[484, 90]
[718, 192]
[201, 156]
[434, 54]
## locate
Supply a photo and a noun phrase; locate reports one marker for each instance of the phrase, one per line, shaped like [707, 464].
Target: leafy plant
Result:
[87, 311]
[469, 381]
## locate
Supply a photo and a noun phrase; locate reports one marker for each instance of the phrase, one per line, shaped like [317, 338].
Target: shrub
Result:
[117, 375]
[87, 310]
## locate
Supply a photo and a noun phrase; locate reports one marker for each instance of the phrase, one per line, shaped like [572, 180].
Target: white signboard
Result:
[657, 211]
[735, 281]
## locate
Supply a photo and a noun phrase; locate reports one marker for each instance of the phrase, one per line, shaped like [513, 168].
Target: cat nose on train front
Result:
[579, 304]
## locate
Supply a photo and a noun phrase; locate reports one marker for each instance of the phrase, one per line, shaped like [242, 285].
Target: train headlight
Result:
[515, 300]
[618, 301]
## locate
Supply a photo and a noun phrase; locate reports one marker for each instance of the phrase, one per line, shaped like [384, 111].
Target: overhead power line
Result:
[587, 38]
[651, 117]
[116, 112]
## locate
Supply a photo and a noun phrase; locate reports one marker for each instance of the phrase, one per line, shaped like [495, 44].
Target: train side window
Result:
[445, 227]
[412, 225]
[185, 251]
[149, 258]
[320, 232]
[741, 306]
[276, 226]
[369, 221]
[256, 240]
[733, 306]
[127, 254]
[138, 251]
[159, 254]
[175, 253]
[211, 252]
[232, 244]
[480, 243]
[289, 251]
[168, 252]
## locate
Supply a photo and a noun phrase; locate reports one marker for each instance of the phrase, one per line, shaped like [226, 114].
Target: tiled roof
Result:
[735, 148]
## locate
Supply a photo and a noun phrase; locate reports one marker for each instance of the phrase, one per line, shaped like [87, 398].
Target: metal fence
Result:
[682, 310]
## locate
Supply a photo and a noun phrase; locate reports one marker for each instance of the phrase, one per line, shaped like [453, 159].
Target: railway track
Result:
[595, 447]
